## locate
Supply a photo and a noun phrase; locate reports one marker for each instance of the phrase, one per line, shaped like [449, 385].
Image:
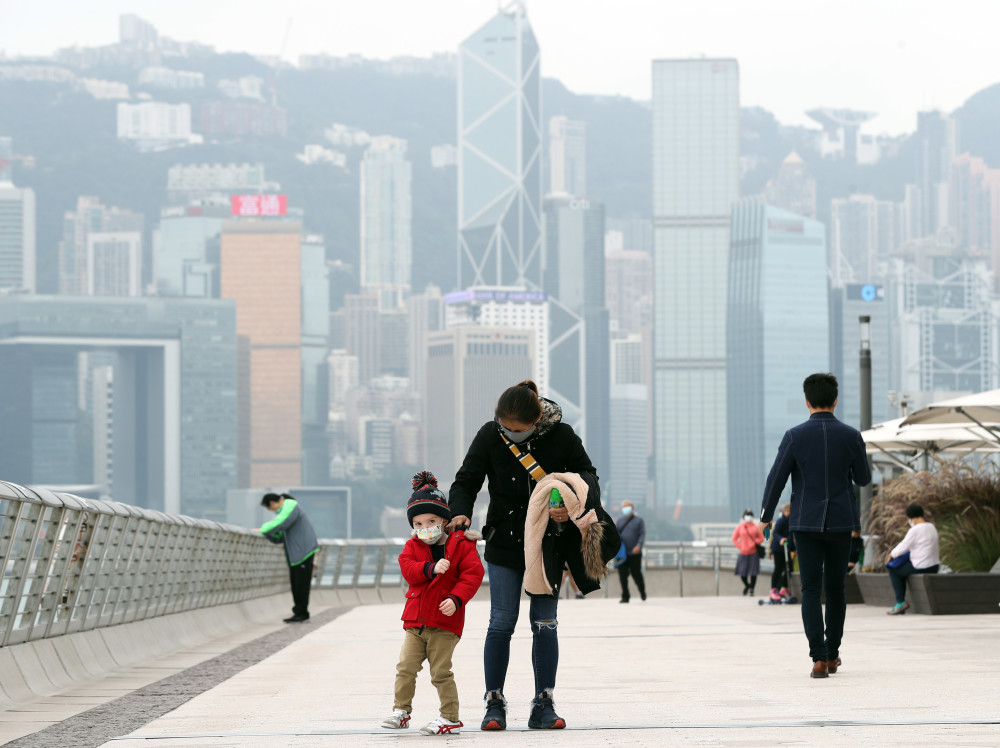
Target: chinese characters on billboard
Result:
[260, 205]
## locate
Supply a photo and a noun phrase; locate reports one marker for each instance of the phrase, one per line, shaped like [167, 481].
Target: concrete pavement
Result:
[693, 671]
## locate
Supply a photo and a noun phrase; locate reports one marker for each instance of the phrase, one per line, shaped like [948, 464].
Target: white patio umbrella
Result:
[895, 436]
[903, 444]
[981, 409]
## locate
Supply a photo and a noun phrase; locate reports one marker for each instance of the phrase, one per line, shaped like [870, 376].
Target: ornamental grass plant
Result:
[963, 502]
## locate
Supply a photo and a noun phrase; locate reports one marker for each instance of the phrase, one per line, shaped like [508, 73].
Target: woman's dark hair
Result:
[820, 390]
[270, 498]
[914, 510]
[520, 403]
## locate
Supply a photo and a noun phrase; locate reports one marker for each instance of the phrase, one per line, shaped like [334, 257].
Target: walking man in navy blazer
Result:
[825, 459]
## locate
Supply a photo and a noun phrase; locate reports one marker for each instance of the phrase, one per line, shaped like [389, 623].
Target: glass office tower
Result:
[777, 335]
[499, 154]
[696, 116]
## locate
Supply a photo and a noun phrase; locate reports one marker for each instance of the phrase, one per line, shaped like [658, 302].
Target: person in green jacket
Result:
[292, 527]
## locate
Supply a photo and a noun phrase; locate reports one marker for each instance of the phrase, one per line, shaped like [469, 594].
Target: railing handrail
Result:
[71, 564]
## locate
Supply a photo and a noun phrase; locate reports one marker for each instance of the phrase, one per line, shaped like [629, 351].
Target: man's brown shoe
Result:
[819, 669]
[832, 665]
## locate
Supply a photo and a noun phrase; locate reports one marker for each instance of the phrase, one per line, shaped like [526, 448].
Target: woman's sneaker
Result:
[496, 712]
[898, 609]
[543, 714]
[775, 595]
[441, 726]
[398, 720]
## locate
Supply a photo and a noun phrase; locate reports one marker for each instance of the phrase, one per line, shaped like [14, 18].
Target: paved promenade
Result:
[694, 671]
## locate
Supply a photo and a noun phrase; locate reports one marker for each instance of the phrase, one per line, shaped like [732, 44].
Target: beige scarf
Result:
[574, 491]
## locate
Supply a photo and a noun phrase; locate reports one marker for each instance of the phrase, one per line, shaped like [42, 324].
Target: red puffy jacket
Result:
[427, 589]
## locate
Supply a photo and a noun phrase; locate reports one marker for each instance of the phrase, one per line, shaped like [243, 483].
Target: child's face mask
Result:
[430, 535]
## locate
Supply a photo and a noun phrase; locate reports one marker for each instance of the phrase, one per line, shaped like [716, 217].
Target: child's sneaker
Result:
[441, 726]
[784, 593]
[398, 720]
[775, 595]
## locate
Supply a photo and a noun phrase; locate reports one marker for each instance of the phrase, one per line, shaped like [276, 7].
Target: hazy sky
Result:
[894, 57]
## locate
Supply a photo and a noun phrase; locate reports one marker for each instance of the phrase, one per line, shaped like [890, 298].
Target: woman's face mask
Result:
[517, 436]
[748, 518]
[430, 535]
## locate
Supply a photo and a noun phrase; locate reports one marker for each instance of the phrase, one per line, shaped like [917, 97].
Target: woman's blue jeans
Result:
[505, 601]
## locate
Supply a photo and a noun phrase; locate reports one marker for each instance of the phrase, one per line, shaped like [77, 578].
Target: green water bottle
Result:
[556, 502]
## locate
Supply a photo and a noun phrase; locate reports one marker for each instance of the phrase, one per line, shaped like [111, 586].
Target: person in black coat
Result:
[825, 460]
[535, 425]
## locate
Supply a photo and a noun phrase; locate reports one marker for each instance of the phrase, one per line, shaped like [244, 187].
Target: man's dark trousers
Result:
[301, 576]
[633, 566]
[823, 558]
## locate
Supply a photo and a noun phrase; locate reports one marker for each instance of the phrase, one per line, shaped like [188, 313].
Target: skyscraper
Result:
[173, 440]
[854, 239]
[315, 348]
[777, 335]
[261, 269]
[17, 228]
[627, 472]
[426, 316]
[975, 206]
[579, 377]
[944, 321]
[362, 333]
[75, 250]
[937, 144]
[696, 115]
[863, 232]
[847, 303]
[499, 154]
[506, 307]
[186, 248]
[114, 263]
[629, 290]
[467, 369]
[567, 156]
[386, 219]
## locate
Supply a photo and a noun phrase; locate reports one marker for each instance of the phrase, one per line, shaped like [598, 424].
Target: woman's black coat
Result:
[557, 450]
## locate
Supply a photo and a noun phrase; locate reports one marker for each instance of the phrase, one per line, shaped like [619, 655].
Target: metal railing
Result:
[355, 565]
[69, 564]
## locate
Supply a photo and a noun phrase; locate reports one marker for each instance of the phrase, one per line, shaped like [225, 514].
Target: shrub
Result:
[963, 502]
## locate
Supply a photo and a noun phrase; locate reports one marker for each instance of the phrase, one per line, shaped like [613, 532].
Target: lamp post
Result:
[865, 392]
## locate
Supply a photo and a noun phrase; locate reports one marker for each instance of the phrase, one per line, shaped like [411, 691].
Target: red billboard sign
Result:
[260, 205]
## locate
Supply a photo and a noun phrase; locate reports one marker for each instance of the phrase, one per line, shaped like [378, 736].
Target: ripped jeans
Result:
[505, 599]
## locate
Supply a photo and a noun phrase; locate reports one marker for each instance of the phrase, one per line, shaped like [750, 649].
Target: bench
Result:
[937, 594]
[954, 594]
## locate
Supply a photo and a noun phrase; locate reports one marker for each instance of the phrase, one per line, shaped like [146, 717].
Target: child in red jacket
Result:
[444, 573]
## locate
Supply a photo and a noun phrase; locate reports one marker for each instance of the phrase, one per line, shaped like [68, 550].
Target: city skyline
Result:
[890, 40]
[399, 242]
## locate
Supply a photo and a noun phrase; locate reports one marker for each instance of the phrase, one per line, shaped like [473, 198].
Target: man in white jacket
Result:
[922, 542]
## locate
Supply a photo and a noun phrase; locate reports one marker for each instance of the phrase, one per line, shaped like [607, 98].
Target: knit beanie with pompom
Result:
[426, 498]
